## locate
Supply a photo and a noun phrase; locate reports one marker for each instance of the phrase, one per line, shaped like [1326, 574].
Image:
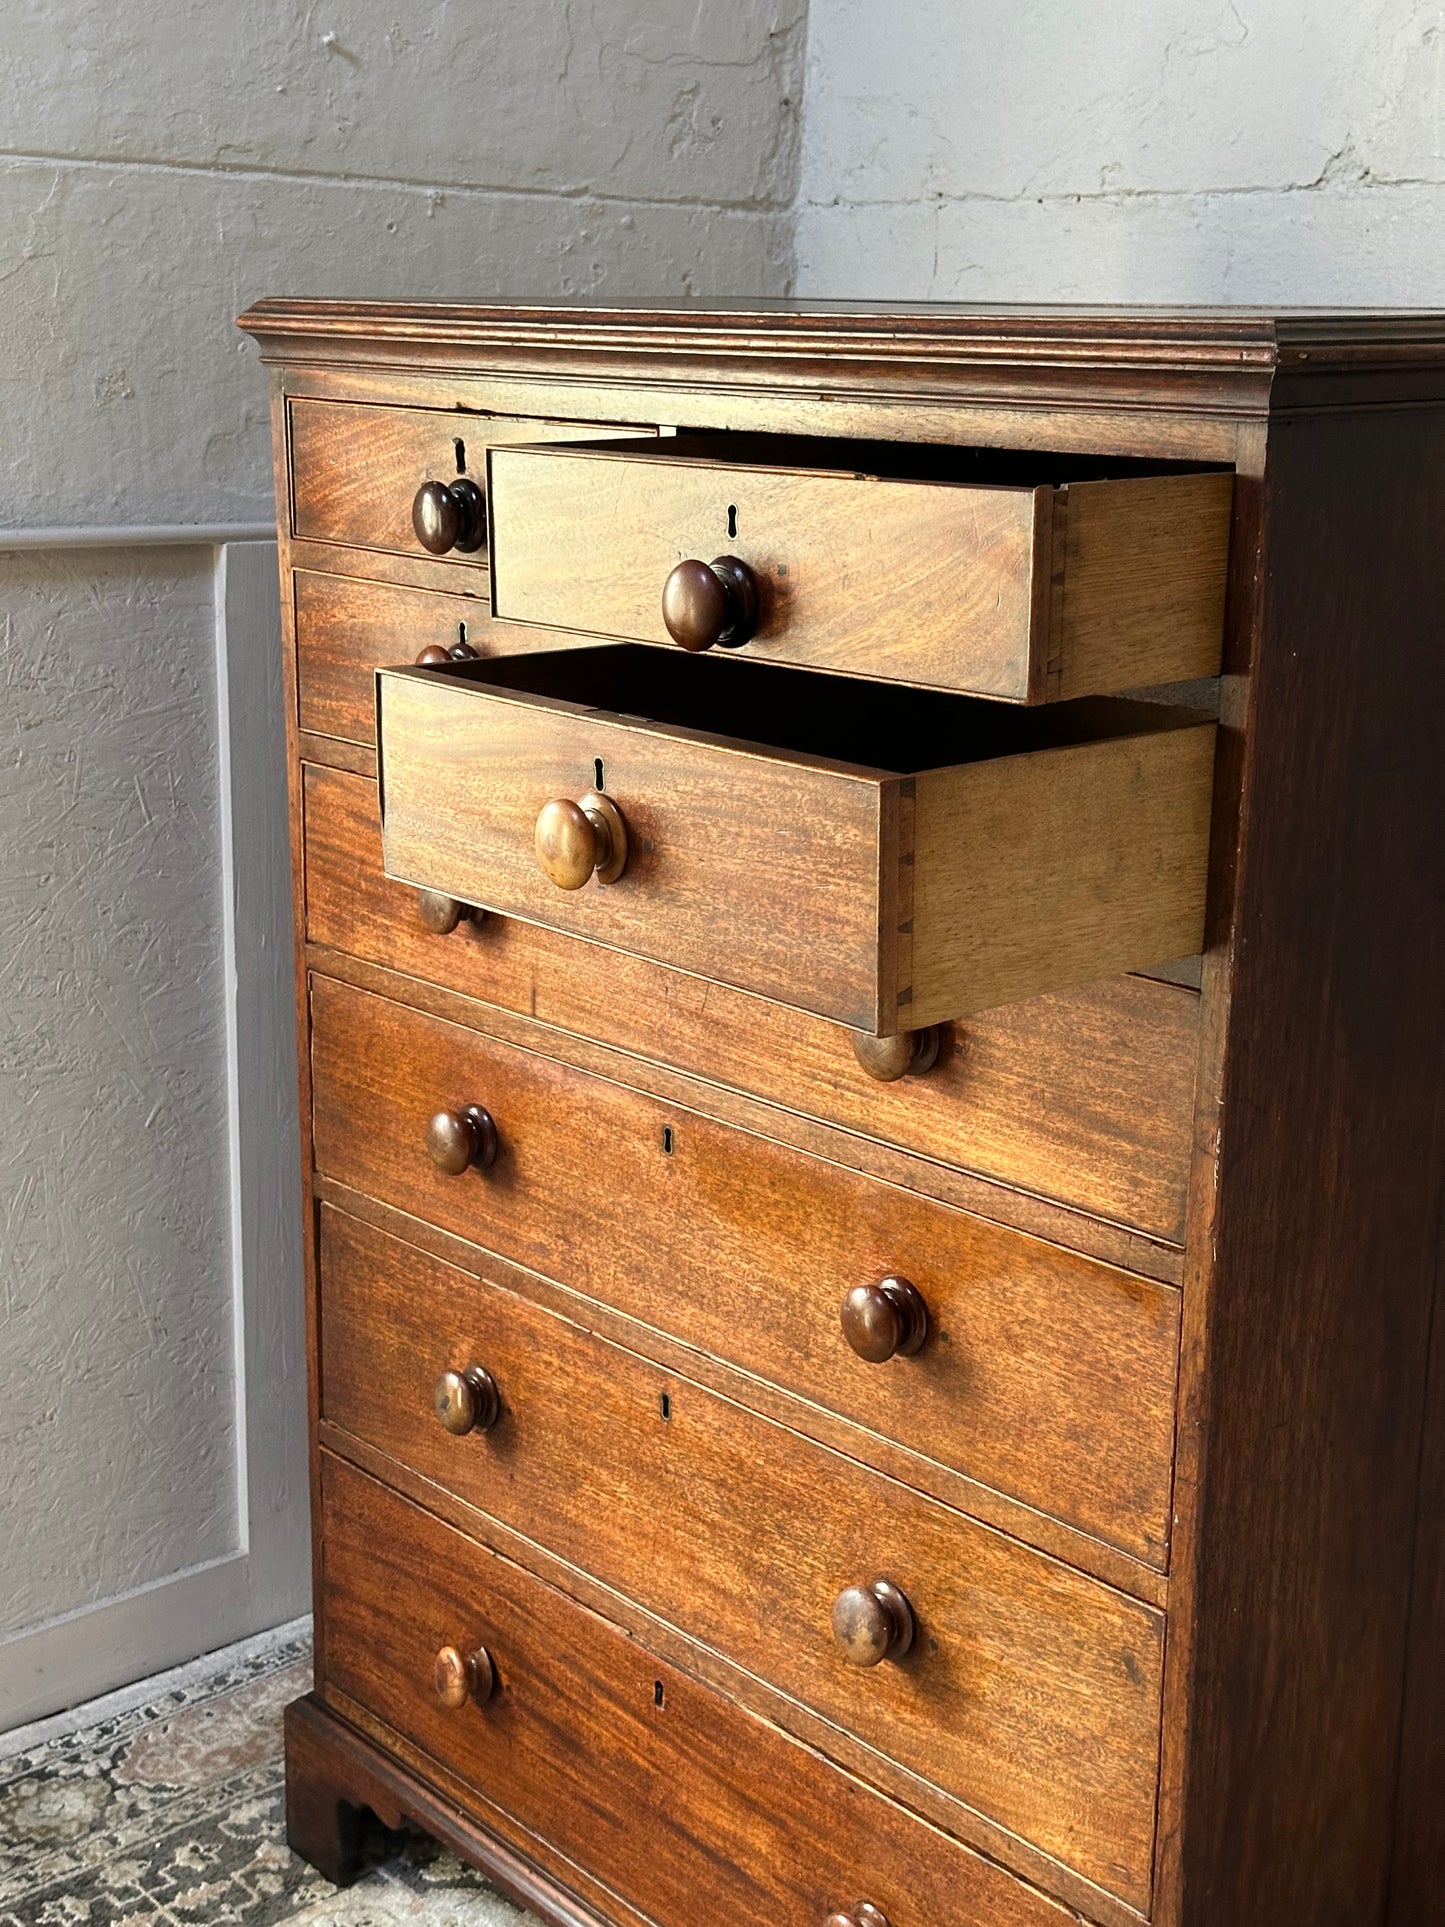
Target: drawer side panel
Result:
[1064, 865]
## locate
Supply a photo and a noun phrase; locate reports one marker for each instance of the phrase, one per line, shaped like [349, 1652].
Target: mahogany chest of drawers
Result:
[869, 957]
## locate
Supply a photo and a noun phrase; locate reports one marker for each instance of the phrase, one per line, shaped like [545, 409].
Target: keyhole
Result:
[666, 1403]
[667, 1139]
[732, 518]
[658, 1696]
[460, 446]
[461, 635]
[597, 784]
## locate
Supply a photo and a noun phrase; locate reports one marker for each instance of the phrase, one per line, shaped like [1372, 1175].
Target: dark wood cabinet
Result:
[870, 901]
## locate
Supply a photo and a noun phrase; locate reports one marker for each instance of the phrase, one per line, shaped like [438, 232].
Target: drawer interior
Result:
[881, 727]
[890, 461]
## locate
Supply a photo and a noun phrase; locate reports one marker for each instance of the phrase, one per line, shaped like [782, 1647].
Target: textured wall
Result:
[116, 1417]
[163, 167]
[1136, 150]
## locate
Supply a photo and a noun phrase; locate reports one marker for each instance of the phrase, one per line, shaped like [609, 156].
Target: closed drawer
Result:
[1044, 1375]
[1030, 1693]
[356, 469]
[883, 857]
[615, 1759]
[1085, 1096]
[999, 577]
[347, 629]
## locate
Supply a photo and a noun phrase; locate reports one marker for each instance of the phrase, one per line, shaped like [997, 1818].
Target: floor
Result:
[162, 1807]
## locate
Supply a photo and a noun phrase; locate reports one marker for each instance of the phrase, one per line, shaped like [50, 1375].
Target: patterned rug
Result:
[163, 1808]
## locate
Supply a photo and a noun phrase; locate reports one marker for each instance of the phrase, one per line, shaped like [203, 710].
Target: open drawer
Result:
[884, 857]
[1024, 577]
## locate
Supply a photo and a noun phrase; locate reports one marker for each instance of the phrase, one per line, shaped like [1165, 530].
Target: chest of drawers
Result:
[869, 930]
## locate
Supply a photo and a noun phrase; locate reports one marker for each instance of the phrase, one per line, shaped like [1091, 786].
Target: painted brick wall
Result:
[165, 166]
[1125, 150]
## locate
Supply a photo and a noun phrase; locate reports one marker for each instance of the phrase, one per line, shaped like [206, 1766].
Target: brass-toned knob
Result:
[886, 1320]
[861, 1914]
[457, 1140]
[704, 603]
[872, 1623]
[435, 654]
[461, 1677]
[450, 515]
[910, 1054]
[577, 841]
[467, 1401]
[441, 914]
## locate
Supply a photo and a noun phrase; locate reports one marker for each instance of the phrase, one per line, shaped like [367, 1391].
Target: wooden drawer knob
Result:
[911, 1053]
[886, 1320]
[467, 1401]
[441, 915]
[434, 655]
[704, 603]
[461, 1677]
[872, 1623]
[861, 1914]
[577, 841]
[450, 515]
[457, 1140]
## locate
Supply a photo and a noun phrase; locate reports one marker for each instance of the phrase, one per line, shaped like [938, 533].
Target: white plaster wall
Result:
[161, 166]
[1125, 150]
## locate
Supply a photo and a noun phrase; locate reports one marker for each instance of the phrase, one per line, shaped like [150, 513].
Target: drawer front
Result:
[664, 1790]
[882, 901]
[1023, 593]
[710, 885]
[1086, 1096]
[1045, 1375]
[347, 629]
[1031, 1693]
[356, 469]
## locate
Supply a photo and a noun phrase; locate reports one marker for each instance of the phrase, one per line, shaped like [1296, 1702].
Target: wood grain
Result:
[1315, 1285]
[355, 470]
[1138, 590]
[1080, 854]
[280, 469]
[1163, 380]
[1297, 1786]
[900, 580]
[1035, 872]
[466, 771]
[1021, 1211]
[347, 629]
[1086, 1095]
[954, 1489]
[342, 1762]
[1048, 1377]
[955, 419]
[1032, 1693]
[953, 584]
[1419, 1854]
[588, 1732]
